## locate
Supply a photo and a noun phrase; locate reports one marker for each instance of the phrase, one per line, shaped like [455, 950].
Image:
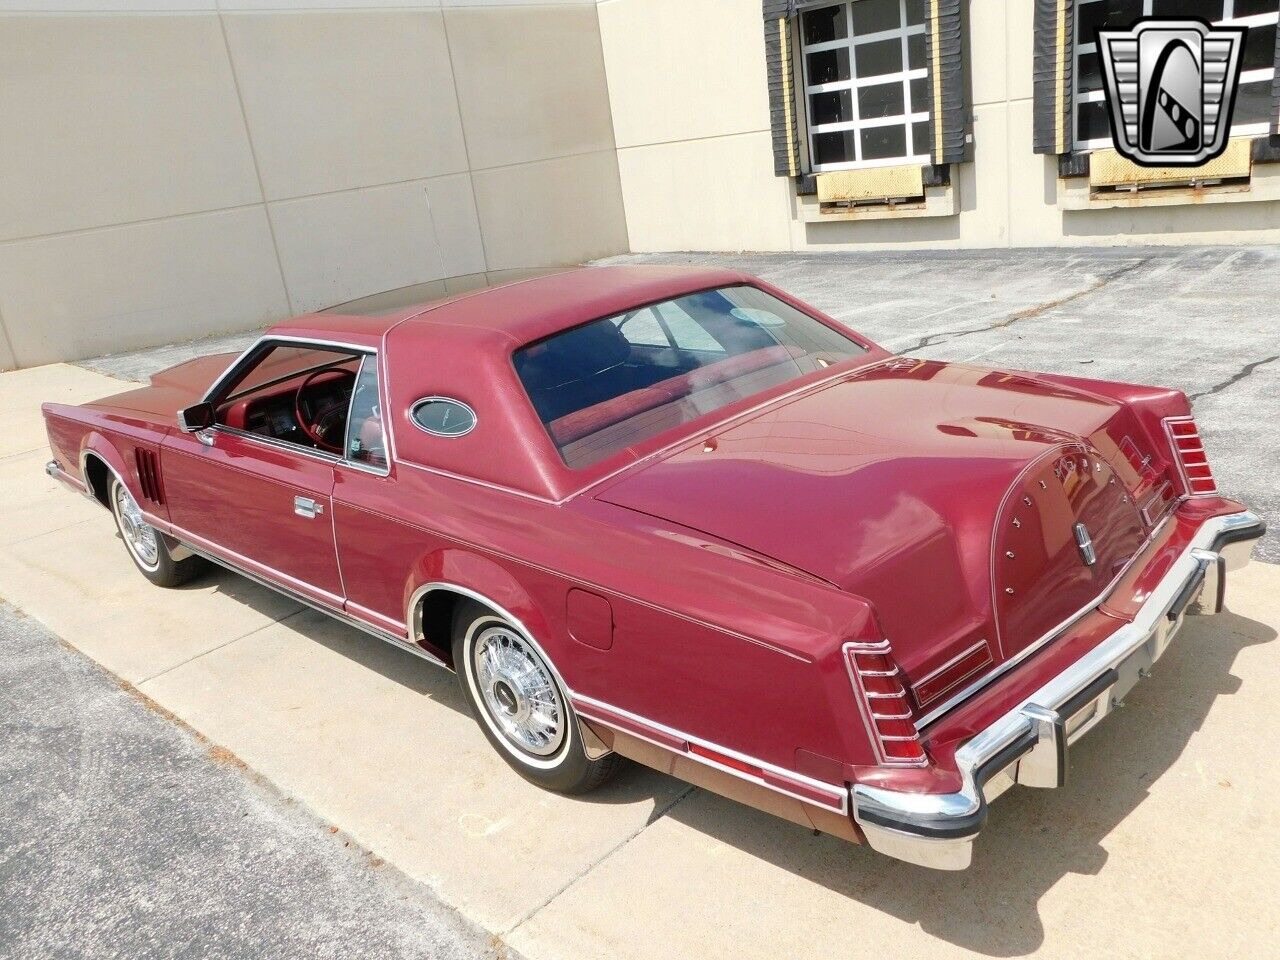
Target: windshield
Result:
[609, 384]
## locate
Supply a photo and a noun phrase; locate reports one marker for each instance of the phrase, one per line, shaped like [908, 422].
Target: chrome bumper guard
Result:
[1029, 744]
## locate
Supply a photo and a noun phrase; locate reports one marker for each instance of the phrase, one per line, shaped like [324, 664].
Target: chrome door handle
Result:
[306, 507]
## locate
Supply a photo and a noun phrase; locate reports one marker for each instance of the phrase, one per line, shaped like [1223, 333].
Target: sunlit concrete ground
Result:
[1157, 846]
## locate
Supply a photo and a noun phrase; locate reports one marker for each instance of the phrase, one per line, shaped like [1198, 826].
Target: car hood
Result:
[170, 389]
[888, 483]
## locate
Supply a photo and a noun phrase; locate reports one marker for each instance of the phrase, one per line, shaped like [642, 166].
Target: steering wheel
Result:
[325, 423]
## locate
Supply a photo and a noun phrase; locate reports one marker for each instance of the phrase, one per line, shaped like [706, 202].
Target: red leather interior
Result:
[581, 423]
[237, 414]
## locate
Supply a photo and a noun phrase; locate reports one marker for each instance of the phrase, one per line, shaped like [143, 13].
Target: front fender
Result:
[99, 445]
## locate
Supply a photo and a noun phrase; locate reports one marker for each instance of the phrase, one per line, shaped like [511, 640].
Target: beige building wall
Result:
[176, 168]
[688, 90]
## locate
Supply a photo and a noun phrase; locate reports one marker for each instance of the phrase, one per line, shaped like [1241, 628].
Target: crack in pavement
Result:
[1244, 372]
[657, 814]
[945, 336]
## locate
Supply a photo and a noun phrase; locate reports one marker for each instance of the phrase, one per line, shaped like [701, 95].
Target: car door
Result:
[258, 501]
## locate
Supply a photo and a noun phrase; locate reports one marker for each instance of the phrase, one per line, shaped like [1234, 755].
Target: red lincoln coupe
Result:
[678, 516]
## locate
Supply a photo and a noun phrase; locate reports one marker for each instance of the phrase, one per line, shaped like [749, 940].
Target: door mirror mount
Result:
[196, 417]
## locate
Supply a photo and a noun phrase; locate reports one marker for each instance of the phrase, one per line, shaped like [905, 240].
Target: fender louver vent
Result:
[149, 475]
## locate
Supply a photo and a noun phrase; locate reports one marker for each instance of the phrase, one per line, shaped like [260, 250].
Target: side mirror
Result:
[196, 417]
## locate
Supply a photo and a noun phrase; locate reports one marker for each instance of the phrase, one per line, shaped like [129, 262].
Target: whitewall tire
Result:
[149, 549]
[520, 704]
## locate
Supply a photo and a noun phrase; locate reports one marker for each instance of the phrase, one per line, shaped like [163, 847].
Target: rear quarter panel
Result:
[705, 640]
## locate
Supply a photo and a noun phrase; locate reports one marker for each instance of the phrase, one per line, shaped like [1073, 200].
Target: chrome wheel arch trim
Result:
[595, 749]
[92, 494]
[414, 619]
[177, 551]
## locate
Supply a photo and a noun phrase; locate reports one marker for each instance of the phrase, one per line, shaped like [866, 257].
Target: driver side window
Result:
[294, 394]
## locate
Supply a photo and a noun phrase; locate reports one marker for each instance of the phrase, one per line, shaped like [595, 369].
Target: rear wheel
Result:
[520, 704]
[147, 546]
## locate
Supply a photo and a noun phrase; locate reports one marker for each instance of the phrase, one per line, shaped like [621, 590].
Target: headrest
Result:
[574, 355]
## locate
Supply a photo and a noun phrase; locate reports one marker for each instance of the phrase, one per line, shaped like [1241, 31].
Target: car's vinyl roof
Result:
[522, 310]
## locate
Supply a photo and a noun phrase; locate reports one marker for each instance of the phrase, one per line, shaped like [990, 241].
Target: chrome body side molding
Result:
[795, 785]
[337, 614]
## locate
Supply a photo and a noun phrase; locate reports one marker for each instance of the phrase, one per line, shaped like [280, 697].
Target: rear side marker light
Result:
[1188, 449]
[733, 763]
[882, 701]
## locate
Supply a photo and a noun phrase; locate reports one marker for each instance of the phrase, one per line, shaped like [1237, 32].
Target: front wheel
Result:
[520, 705]
[147, 546]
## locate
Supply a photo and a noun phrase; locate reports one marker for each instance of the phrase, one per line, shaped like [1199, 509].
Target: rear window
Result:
[612, 383]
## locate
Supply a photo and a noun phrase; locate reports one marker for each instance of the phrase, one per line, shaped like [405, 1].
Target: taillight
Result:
[1188, 450]
[882, 699]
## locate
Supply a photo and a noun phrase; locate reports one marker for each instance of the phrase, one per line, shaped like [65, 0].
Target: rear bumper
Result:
[1029, 744]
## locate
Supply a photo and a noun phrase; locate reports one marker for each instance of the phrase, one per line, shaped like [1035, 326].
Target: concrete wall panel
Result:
[7, 361]
[343, 246]
[681, 71]
[530, 82]
[121, 288]
[1018, 33]
[116, 119]
[138, 144]
[457, 225]
[986, 27]
[338, 100]
[985, 204]
[714, 194]
[554, 212]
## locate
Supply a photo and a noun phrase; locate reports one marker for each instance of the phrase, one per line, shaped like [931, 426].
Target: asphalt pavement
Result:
[123, 834]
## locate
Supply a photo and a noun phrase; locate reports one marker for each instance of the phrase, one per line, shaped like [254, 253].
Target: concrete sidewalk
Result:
[1140, 855]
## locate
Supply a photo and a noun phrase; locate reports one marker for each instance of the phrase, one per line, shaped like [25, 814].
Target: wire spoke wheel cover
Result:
[518, 692]
[139, 536]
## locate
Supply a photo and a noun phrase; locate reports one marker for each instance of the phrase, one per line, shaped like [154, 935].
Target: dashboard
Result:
[270, 412]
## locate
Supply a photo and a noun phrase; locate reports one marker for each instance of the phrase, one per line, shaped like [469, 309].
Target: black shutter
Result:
[947, 126]
[778, 24]
[1275, 89]
[1053, 71]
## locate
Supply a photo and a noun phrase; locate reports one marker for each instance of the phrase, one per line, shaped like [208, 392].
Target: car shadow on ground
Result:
[1033, 838]
[426, 679]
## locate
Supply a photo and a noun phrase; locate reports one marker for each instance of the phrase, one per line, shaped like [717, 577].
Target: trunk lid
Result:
[901, 483]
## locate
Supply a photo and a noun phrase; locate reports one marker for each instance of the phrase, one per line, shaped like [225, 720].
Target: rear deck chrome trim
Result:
[1028, 744]
[989, 678]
